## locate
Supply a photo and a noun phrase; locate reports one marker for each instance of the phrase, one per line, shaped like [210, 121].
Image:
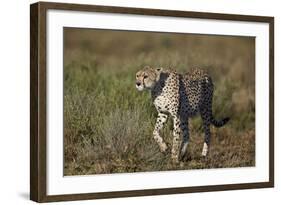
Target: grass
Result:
[108, 124]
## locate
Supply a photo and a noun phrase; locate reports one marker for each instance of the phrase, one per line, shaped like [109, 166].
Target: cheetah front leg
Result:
[161, 119]
[176, 139]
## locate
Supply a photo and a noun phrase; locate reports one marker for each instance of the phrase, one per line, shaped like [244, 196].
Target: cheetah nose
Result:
[138, 83]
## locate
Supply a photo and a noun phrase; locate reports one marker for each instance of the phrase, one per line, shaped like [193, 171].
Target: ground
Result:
[108, 124]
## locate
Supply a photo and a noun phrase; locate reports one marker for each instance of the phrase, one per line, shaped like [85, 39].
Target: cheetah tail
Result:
[220, 123]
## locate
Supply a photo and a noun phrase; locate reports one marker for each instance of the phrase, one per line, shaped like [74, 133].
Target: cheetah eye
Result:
[145, 76]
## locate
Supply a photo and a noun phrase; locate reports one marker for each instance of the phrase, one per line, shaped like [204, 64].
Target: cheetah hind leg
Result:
[183, 150]
[205, 115]
[184, 144]
[205, 149]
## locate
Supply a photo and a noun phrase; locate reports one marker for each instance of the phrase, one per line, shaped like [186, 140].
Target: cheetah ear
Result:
[146, 67]
[159, 69]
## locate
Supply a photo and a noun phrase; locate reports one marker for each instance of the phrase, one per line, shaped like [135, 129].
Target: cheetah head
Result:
[147, 77]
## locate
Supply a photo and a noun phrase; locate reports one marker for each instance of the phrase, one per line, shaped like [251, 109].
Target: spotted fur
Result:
[181, 97]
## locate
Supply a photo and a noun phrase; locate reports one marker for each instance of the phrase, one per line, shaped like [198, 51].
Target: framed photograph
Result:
[134, 102]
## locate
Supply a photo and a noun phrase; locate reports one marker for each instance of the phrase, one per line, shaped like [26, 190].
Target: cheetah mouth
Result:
[139, 87]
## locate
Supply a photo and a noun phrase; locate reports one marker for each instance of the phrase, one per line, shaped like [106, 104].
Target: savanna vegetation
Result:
[108, 124]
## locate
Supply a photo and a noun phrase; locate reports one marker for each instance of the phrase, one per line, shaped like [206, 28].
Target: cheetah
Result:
[181, 97]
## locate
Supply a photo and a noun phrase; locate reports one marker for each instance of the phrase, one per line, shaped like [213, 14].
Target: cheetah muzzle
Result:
[181, 97]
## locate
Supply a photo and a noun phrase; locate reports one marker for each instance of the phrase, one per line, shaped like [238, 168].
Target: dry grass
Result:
[108, 124]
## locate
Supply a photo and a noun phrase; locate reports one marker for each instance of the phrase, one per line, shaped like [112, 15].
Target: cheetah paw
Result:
[175, 159]
[163, 147]
[205, 150]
